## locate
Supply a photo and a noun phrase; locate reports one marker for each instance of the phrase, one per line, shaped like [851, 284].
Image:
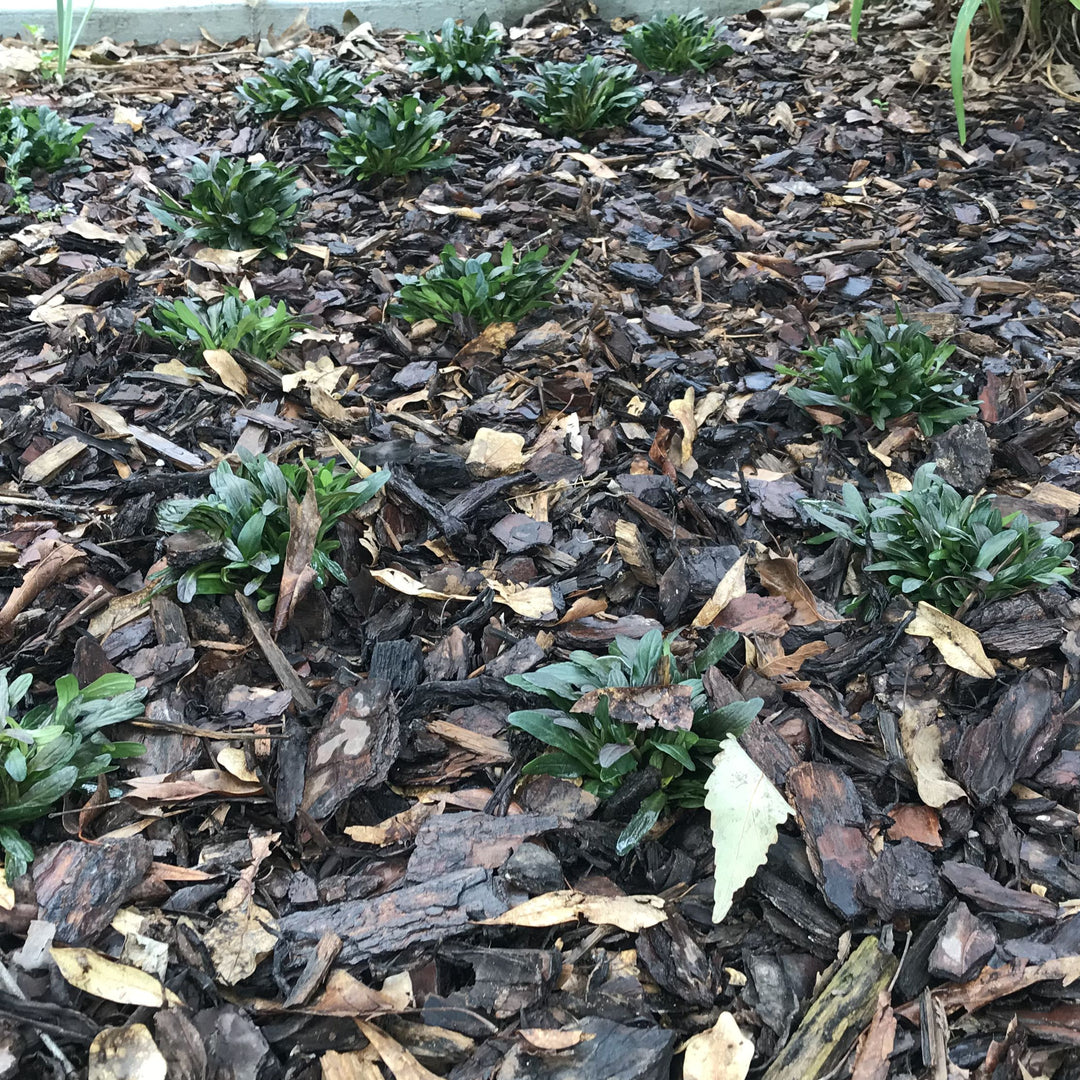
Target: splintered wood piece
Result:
[47, 466]
[830, 815]
[274, 656]
[414, 915]
[834, 1021]
[1015, 740]
[449, 842]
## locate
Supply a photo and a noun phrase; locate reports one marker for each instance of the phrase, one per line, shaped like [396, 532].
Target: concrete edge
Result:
[228, 20]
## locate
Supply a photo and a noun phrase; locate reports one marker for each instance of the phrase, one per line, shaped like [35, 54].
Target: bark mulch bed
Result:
[296, 873]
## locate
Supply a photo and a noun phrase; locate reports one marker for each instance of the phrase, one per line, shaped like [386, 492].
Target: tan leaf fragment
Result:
[496, 453]
[595, 166]
[958, 644]
[629, 913]
[780, 576]
[643, 706]
[920, 739]
[297, 573]
[395, 1057]
[231, 374]
[552, 1039]
[126, 1053]
[401, 582]
[730, 587]
[721, 1053]
[239, 940]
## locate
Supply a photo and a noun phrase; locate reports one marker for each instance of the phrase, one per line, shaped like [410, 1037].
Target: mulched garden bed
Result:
[301, 862]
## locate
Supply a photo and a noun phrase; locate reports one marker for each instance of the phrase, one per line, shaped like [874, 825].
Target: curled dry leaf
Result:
[780, 576]
[958, 644]
[643, 706]
[629, 913]
[730, 587]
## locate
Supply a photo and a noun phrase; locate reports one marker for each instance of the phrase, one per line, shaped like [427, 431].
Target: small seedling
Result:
[291, 88]
[677, 43]
[459, 54]
[38, 140]
[601, 731]
[573, 99]
[236, 204]
[479, 289]
[67, 36]
[941, 547]
[247, 521]
[889, 371]
[54, 746]
[389, 138]
[234, 324]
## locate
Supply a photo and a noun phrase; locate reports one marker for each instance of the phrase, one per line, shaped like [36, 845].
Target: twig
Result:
[274, 656]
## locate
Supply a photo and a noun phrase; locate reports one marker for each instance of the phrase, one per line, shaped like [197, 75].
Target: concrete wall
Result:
[148, 21]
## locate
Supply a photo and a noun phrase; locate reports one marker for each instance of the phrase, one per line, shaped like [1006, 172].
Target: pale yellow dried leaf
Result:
[629, 913]
[496, 453]
[104, 978]
[730, 587]
[959, 645]
[721, 1053]
[401, 582]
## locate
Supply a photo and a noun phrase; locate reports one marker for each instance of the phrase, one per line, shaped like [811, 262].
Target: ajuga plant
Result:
[255, 327]
[573, 99]
[677, 43]
[389, 138]
[936, 545]
[236, 204]
[459, 54]
[37, 139]
[289, 88]
[888, 371]
[48, 749]
[632, 709]
[247, 521]
[479, 289]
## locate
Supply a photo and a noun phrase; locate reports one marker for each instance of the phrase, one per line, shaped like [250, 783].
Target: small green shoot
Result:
[600, 730]
[255, 327]
[247, 521]
[459, 54]
[882, 374]
[51, 748]
[677, 43]
[479, 289]
[290, 88]
[235, 204]
[389, 138]
[573, 99]
[941, 547]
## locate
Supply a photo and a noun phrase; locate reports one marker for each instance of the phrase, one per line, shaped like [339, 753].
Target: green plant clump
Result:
[37, 139]
[677, 43]
[479, 289]
[236, 204]
[234, 324]
[941, 547]
[248, 515]
[887, 372]
[459, 54]
[389, 138]
[54, 746]
[573, 99]
[289, 88]
[601, 731]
